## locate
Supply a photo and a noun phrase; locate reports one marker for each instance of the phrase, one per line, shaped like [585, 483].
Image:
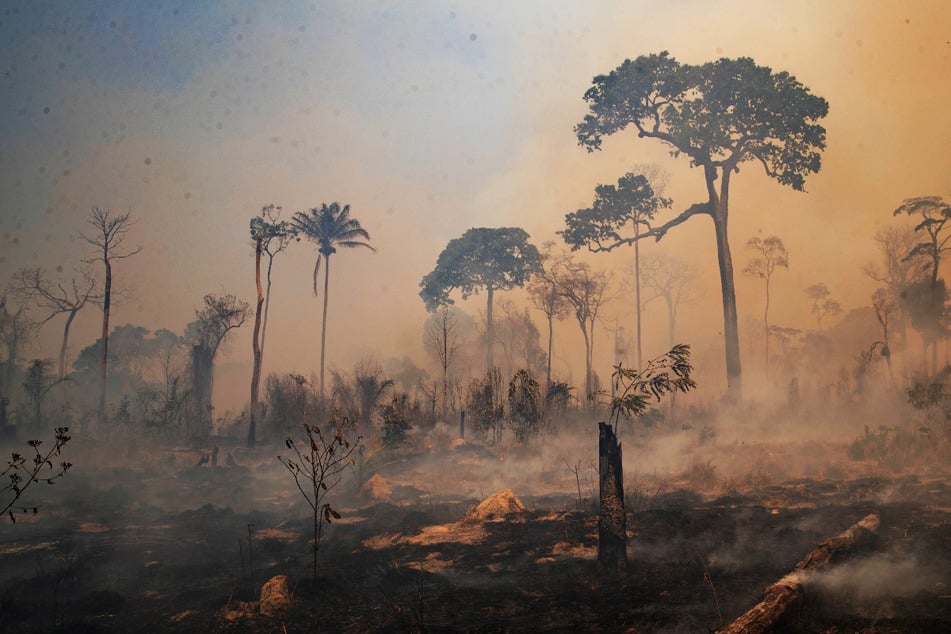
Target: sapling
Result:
[318, 467]
[21, 472]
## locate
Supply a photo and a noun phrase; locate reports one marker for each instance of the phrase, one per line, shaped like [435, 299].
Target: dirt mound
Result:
[377, 488]
[497, 506]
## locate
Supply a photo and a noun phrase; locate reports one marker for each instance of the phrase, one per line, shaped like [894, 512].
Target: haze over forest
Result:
[429, 118]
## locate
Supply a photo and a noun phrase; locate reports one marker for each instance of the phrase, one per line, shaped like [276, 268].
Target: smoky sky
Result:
[429, 118]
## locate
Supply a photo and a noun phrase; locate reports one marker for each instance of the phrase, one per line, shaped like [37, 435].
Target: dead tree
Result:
[612, 520]
[108, 234]
[57, 298]
[778, 597]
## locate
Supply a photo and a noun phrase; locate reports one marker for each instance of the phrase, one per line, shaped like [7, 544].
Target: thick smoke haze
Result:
[429, 118]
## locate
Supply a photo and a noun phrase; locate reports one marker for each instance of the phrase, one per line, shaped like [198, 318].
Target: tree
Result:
[329, 227]
[770, 254]
[318, 468]
[108, 236]
[443, 339]
[518, 337]
[585, 290]
[629, 206]
[270, 236]
[719, 115]
[213, 322]
[934, 213]
[16, 331]
[37, 384]
[57, 299]
[371, 386]
[493, 259]
[931, 306]
[545, 296]
[669, 277]
[822, 303]
[900, 271]
[884, 305]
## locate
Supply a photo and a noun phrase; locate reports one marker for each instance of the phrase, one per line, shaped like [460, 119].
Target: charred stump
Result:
[612, 520]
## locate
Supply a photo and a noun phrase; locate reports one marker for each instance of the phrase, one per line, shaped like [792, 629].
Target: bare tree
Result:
[670, 278]
[442, 339]
[770, 254]
[546, 297]
[212, 324]
[585, 290]
[57, 298]
[107, 237]
[900, 270]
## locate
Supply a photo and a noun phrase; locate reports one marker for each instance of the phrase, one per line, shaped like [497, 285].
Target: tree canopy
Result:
[721, 115]
[618, 216]
[493, 259]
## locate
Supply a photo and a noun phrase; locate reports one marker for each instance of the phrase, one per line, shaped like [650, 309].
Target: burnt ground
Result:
[162, 545]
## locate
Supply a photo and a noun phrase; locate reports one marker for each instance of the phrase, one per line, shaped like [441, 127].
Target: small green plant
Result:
[22, 472]
[635, 389]
[317, 467]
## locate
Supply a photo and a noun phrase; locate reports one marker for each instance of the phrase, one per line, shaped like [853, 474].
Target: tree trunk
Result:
[256, 348]
[323, 324]
[766, 328]
[548, 369]
[612, 520]
[104, 351]
[489, 332]
[637, 289]
[203, 362]
[65, 345]
[731, 338]
[587, 363]
[778, 597]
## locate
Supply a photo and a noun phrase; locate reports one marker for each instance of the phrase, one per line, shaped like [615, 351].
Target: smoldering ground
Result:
[157, 534]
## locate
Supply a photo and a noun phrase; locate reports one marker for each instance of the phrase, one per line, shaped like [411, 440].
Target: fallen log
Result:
[778, 597]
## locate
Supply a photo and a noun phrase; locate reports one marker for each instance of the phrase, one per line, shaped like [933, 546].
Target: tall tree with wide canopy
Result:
[493, 259]
[270, 236]
[720, 115]
[628, 207]
[329, 226]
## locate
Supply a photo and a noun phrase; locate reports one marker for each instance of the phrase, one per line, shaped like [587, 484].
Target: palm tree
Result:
[330, 227]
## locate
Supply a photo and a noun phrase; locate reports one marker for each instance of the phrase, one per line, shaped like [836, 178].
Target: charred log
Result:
[778, 597]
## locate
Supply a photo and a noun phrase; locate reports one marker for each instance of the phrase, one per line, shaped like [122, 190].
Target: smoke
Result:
[878, 578]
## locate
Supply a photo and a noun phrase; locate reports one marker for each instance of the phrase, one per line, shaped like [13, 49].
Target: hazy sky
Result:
[428, 118]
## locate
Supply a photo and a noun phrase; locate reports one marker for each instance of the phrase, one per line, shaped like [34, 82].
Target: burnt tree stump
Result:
[612, 520]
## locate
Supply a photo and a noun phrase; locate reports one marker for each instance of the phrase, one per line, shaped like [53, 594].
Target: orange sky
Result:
[430, 118]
